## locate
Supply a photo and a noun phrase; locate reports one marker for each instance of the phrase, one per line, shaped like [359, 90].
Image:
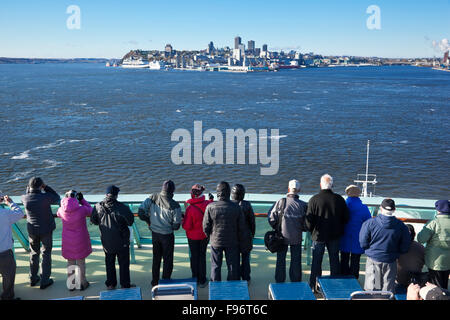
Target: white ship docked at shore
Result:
[135, 63]
[157, 65]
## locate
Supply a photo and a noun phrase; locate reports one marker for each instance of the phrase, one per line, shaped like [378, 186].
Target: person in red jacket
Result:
[197, 239]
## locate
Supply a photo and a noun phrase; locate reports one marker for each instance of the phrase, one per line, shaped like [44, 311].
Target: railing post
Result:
[20, 237]
[308, 248]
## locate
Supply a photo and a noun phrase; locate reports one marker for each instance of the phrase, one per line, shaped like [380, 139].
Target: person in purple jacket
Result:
[76, 243]
[350, 249]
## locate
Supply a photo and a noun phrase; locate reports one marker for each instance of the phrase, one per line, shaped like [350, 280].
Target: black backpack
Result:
[273, 239]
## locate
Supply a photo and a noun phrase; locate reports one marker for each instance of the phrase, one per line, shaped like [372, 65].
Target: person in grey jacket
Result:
[163, 216]
[224, 223]
[40, 225]
[7, 262]
[292, 226]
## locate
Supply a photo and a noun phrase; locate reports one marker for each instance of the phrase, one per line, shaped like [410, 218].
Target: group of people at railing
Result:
[344, 227]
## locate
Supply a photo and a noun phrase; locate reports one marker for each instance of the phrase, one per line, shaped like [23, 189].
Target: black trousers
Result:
[8, 273]
[439, 278]
[163, 246]
[232, 261]
[123, 257]
[198, 258]
[350, 264]
[35, 252]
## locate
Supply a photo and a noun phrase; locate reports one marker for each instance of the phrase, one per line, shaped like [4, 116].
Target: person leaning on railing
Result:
[7, 262]
[40, 226]
[436, 235]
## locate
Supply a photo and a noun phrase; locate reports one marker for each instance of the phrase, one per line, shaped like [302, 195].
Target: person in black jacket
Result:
[223, 223]
[326, 217]
[114, 218]
[245, 246]
[40, 226]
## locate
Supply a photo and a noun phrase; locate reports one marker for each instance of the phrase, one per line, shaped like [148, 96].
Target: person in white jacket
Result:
[7, 262]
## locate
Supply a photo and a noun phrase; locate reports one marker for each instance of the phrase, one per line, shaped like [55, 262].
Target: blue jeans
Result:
[232, 260]
[318, 250]
[295, 268]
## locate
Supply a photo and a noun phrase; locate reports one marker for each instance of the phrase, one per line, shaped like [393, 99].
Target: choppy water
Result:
[87, 126]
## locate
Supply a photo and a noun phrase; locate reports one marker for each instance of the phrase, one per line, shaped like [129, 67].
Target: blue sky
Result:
[111, 28]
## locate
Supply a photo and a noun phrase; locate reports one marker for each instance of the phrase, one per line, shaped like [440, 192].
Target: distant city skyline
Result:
[109, 29]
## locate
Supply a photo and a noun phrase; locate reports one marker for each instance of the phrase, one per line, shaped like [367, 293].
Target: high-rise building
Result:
[168, 50]
[237, 42]
[264, 47]
[251, 46]
[210, 48]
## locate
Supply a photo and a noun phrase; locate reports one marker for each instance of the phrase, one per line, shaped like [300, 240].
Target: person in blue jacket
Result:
[384, 239]
[350, 249]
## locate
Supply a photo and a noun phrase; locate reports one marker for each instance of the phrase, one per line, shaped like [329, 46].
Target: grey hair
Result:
[326, 181]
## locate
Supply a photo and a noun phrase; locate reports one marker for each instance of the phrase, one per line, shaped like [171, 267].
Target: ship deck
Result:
[262, 273]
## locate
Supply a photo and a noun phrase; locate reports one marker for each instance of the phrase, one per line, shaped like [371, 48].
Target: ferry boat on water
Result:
[135, 63]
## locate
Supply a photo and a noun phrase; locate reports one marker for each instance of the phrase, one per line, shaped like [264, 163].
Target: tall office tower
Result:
[237, 42]
[251, 46]
[210, 47]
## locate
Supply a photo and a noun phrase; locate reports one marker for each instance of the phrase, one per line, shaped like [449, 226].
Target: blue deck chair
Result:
[175, 289]
[122, 294]
[338, 287]
[228, 290]
[290, 291]
[71, 298]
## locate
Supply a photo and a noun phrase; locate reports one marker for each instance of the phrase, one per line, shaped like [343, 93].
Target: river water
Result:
[85, 126]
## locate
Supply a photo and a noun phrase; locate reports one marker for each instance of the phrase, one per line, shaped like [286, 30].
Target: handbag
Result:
[273, 239]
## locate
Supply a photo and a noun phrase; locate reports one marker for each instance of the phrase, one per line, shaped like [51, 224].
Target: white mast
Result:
[366, 181]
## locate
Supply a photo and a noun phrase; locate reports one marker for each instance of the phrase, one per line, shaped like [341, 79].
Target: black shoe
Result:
[35, 282]
[110, 287]
[85, 286]
[132, 285]
[48, 284]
